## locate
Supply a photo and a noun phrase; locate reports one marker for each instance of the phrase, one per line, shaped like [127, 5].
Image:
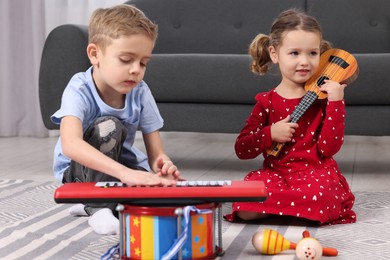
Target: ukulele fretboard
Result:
[305, 103]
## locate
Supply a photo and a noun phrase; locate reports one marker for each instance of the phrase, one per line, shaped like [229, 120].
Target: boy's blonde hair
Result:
[122, 20]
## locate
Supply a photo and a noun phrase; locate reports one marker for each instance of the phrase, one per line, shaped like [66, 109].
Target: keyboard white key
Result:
[212, 183]
[203, 183]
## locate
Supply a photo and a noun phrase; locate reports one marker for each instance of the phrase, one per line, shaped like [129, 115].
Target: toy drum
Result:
[151, 232]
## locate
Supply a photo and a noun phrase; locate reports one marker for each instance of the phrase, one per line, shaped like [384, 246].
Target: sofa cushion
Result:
[358, 26]
[226, 79]
[372, 87]
[211, 26]
[205, 78]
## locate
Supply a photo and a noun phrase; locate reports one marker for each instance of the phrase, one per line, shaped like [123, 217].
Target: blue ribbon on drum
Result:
[178, 243]
[114, 250]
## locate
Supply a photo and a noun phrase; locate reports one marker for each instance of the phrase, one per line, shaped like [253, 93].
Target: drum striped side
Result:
[127, 243]
[148, 234]
[156, 233]
[135, 237]
[147, 239]
[202, 227]
[167, 234]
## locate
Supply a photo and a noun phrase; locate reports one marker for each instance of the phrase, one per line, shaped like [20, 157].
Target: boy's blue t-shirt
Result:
[81, 99]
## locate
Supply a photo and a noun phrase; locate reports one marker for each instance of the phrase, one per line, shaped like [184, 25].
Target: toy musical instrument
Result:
[270, 242]
[194, 193]
[150, 215]
[335, 64]
[165, 233]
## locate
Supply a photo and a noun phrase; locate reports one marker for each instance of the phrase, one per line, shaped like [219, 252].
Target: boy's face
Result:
[122, 65]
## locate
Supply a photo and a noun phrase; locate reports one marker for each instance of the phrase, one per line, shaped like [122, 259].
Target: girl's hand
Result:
[334, 90]
[167, 169]
[283, 130]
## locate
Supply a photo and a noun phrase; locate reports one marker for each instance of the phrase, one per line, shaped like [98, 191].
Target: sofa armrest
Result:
[64, 54]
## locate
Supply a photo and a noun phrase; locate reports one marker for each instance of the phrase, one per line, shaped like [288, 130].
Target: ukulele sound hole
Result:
[321, 80]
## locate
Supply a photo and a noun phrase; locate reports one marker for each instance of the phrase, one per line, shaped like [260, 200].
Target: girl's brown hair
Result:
[289, 20]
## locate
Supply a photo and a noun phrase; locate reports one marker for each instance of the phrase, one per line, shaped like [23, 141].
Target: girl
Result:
[303, 180]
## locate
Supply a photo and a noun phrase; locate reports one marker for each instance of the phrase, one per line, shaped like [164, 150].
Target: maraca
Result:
[270, 242]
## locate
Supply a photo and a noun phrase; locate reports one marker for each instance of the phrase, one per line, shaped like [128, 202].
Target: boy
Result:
[102, 109]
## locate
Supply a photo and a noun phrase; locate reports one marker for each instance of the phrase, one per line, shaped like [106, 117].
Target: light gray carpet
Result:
[33, 226]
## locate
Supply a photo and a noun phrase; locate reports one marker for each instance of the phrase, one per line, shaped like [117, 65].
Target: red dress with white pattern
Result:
[303, 180]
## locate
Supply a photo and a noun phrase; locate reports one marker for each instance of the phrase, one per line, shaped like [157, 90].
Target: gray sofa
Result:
[199, 71]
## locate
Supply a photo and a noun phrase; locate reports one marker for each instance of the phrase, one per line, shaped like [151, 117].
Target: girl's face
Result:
[298, 56]
[121, 66]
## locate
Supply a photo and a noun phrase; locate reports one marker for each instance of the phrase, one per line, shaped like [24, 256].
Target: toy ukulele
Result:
[335, 64]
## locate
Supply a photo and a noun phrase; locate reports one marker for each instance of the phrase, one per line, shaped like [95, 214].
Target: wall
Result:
[24, 25]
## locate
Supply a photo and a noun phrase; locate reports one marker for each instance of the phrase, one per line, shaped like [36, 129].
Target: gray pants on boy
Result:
[106, 134]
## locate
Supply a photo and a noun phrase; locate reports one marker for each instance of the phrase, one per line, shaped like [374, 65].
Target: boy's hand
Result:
[283, 130]
[138, 178]
[167, 169]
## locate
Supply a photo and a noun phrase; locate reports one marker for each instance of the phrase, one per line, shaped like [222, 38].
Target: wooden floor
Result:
[365, 161]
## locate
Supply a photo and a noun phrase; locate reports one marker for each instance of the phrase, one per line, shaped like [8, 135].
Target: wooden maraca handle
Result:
[328, 251]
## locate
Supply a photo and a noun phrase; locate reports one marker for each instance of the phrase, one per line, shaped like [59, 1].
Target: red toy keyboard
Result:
[184, 193]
